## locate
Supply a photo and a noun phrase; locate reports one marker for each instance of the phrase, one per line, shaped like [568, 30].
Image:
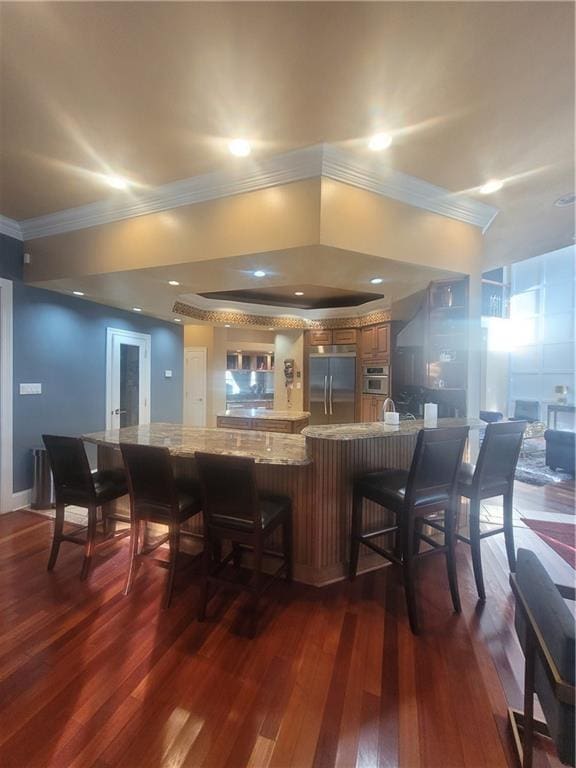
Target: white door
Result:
[127, 378]
[195, 386]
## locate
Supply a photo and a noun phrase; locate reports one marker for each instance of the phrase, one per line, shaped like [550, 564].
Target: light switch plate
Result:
[167, 374]
[30, 389]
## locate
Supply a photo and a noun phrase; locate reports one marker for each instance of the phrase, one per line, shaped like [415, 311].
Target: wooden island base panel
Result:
[316, 469]
[260, 419]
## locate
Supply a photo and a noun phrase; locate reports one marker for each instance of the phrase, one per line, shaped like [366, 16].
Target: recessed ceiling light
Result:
[376, 280]
[380, 141]
[565, 200]
[259, 273]
[227, 325]
[491, 186]
[117, 182]
[239, 147]
[137, 309]
[298, 293]
[270, 329]
[173, 282]
[78, 293]
[177, 320]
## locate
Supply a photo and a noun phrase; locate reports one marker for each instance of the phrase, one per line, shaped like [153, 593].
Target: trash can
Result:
[43, 487]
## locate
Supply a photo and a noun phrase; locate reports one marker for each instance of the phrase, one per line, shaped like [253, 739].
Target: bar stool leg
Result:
[90, 541]
[509, 530]
[133, 556]
[58, 529]
[174, 543]
[258, 553]
[475, 546]
[287, 545]
[355, 534]
[209, 547]
[407, 527]
[450, 542]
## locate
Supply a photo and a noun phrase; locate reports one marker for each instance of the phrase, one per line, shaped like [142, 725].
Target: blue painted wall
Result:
[60, 341]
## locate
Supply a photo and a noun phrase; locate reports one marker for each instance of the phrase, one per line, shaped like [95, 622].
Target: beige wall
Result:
[267, 220]
[289, 345]
[354, 219]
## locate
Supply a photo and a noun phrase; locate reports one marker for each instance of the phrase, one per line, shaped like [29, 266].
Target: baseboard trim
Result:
[21, 499]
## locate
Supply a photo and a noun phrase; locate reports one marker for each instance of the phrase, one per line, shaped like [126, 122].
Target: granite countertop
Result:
[379, 429]
[264, 447]
[264, 413]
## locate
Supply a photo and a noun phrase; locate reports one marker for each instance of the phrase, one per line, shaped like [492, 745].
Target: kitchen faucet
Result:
[388, 405]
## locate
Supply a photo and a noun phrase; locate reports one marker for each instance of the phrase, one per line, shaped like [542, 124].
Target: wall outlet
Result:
[30, 389]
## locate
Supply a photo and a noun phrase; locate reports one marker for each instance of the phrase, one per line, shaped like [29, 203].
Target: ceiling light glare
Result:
[177, 320]
[376, 280]
[78, 293]
[259, 273]
[137, 309]
[117, 182]
[380, 141]
[173, 282]
[491, 186]
[298, 293]
[240, 147]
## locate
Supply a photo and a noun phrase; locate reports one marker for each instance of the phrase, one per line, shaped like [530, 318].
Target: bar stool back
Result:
[156, 497]
[492, 476]
[76, 484]
[427, 488]
[235, 511]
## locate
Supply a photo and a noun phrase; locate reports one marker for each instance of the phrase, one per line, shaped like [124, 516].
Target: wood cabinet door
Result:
[367, 408]
[368, 342]
[319, 338]
[345, 336]
[383, 339]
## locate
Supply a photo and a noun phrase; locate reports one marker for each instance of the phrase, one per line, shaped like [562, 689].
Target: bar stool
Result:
[235, 511]
[156, 496]
[429, 487]
[76, 484]
[492, 476]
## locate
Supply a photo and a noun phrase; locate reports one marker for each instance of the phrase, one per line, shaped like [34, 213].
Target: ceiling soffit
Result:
[325, 160]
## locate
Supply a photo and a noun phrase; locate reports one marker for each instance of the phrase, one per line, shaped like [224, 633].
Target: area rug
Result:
[560, 536]
[532, 467]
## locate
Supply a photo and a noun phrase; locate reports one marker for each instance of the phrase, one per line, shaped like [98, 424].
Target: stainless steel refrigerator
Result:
[332, 374]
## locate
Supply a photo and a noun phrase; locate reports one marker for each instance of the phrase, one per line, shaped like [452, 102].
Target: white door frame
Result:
[145, 343]
[203, 353]
[6, 406]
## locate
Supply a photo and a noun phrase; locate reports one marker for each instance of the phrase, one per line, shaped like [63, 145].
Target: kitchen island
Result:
[290, 422]
[316, 469]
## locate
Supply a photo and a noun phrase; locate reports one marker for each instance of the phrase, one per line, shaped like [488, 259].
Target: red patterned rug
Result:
[560, 536]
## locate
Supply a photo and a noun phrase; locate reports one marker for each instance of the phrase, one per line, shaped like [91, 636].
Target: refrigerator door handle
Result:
[325, 387]
[330, 395]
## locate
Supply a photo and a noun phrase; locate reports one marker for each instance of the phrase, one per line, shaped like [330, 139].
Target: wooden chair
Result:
[235, 511]
[547, 633]
[156, 497]
[429, 487]
[492, 476]
[75, 484]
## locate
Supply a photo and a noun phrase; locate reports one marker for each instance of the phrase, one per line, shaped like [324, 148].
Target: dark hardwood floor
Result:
[89, 677]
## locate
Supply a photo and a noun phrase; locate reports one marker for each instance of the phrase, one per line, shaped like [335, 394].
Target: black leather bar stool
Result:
[76, 484]
[429, 487]
[235, 511]
[156, 496]
[492, 476]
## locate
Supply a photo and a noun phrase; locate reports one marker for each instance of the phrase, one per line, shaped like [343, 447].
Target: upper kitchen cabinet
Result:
[326, 338]
[375, 342]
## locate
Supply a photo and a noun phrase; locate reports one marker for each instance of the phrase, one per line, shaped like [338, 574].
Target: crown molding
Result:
[10, 227]
[297, 165]
[358, 171]
[319, 160]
